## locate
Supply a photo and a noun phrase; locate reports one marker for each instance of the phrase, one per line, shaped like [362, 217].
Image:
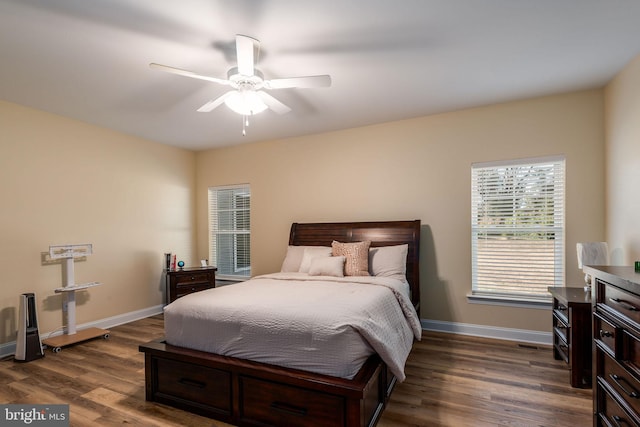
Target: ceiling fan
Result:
[247, 96]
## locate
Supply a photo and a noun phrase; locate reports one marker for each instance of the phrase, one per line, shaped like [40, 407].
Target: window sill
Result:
[509, 301]
[225, 282]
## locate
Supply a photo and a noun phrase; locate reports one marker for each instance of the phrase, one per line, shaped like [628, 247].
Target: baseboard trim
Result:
[9, 348]
[509, 334]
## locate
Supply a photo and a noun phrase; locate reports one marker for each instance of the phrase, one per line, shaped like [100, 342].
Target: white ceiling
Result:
[389, 59]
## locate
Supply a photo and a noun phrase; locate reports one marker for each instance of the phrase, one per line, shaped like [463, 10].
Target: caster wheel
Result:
[56, 349]
[105, 336]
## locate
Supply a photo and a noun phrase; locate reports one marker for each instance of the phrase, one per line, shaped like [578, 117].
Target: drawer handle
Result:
[562, 308]
[618, 379]
[193, 277]
[191, 383]
[617, 420]
[625, 304]
[289, 409]
[605, 334]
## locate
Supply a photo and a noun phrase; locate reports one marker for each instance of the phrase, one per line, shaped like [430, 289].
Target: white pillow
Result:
[313, 252]
[293, 258]
[330, 266]
[388, 260]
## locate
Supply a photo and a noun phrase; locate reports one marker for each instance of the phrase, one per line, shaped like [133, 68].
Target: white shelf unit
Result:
[68, 253]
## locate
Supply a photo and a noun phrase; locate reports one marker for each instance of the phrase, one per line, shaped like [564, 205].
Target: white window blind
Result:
[230, 231]
[517, 227]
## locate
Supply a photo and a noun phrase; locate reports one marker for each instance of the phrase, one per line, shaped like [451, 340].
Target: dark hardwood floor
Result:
[455, 380]
[452, 380]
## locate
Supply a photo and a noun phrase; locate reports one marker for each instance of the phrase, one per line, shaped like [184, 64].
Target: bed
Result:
[248, 392]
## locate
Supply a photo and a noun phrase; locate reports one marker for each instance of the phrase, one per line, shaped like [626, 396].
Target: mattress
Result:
[326, 325]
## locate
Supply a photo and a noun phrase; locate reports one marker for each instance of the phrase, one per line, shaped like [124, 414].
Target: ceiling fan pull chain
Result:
[245, 123]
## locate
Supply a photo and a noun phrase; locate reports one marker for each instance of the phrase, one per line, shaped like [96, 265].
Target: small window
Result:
[230, 231]
[517, 228]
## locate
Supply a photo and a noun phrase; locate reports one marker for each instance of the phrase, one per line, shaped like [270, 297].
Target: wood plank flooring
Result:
[452, 380]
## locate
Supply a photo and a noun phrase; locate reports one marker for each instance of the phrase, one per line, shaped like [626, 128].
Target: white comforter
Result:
[327, 325]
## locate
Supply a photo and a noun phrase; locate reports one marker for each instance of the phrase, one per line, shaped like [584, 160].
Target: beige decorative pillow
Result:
[357, 257]
[329, 266]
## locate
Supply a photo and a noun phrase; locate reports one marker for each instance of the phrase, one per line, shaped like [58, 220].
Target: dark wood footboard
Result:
[248, 393]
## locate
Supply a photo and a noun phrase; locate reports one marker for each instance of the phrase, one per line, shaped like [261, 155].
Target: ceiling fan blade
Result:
[186, 73]
[273, 103]
[244, 49]
[292, 82]
[214, 103]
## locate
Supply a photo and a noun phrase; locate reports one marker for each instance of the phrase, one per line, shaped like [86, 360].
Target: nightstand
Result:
[572, 332]
[188, 280]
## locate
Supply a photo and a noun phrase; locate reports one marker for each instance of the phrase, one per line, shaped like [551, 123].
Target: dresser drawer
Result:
[292, 407]
[631, 352]
[210, 388]
[605, 334]
[625, 384]
[616, 335]
[620, 301]
[611, 413]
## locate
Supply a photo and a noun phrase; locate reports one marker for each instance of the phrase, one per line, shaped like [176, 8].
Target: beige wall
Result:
[65, 182]
[623, 165]
[418, 169]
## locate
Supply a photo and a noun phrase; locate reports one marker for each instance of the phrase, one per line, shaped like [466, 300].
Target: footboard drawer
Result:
[276, 404]
[204, 388]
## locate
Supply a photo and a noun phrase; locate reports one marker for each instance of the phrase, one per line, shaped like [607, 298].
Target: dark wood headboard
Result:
[384, 233]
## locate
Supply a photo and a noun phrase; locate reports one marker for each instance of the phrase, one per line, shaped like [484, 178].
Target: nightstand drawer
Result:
[562, 348]
[561, 329]
[189, 288]
[192, 278]
[561, 311]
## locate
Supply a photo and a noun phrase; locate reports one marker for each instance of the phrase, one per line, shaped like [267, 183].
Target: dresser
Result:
[572, 332]
[188, 280]
[616, 350]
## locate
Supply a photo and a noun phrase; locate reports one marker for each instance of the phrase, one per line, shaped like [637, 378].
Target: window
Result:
[230, 231]
[517, 228]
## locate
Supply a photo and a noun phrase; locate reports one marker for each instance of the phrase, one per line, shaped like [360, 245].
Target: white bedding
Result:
[327, 325]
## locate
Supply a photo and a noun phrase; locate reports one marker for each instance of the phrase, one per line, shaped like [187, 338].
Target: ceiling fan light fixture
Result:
[246, 96]
[245, 103]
